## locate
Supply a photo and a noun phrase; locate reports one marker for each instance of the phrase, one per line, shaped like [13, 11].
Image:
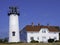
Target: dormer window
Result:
[43, 31]
[55, 38]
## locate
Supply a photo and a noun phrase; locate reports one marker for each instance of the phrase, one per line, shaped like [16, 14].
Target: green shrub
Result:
[50, 40]
[33, 41]
[57, 41]
[5, 40]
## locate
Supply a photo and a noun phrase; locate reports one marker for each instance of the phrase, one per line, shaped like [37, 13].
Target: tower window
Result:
[13, 33]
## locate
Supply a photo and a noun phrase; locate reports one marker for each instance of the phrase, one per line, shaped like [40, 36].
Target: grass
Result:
[30, 43]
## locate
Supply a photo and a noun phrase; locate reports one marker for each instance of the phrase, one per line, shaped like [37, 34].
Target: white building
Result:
[13, 25]
[39, 33]
[30, 32]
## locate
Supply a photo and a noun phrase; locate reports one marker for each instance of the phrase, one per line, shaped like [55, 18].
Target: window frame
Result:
[32, 38]
[13, 33]
[43, 31]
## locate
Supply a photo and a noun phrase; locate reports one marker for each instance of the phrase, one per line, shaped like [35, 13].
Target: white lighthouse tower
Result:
[13, 25]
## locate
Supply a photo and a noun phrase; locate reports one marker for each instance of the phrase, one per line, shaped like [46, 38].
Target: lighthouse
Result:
[13, 25]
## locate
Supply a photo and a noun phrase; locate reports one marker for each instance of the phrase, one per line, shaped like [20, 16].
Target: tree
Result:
[5, 40]
[1, 40]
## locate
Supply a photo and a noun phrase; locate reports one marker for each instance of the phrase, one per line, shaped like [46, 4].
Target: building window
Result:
[54, 32]
[13, 33]
[43, 37]
[38, 38]
[43, 31]
[54, 37]
[32, 38]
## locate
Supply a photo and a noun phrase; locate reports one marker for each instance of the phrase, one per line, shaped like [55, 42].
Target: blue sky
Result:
[37, 11]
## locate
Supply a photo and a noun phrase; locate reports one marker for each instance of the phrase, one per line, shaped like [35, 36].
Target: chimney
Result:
[47, 24]
[32, 24]
[38, 24]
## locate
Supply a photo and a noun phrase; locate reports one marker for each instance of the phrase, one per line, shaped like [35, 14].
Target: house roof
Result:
[37, 28]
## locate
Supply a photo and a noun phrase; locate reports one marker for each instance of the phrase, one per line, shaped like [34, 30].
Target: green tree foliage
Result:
[1, 40]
